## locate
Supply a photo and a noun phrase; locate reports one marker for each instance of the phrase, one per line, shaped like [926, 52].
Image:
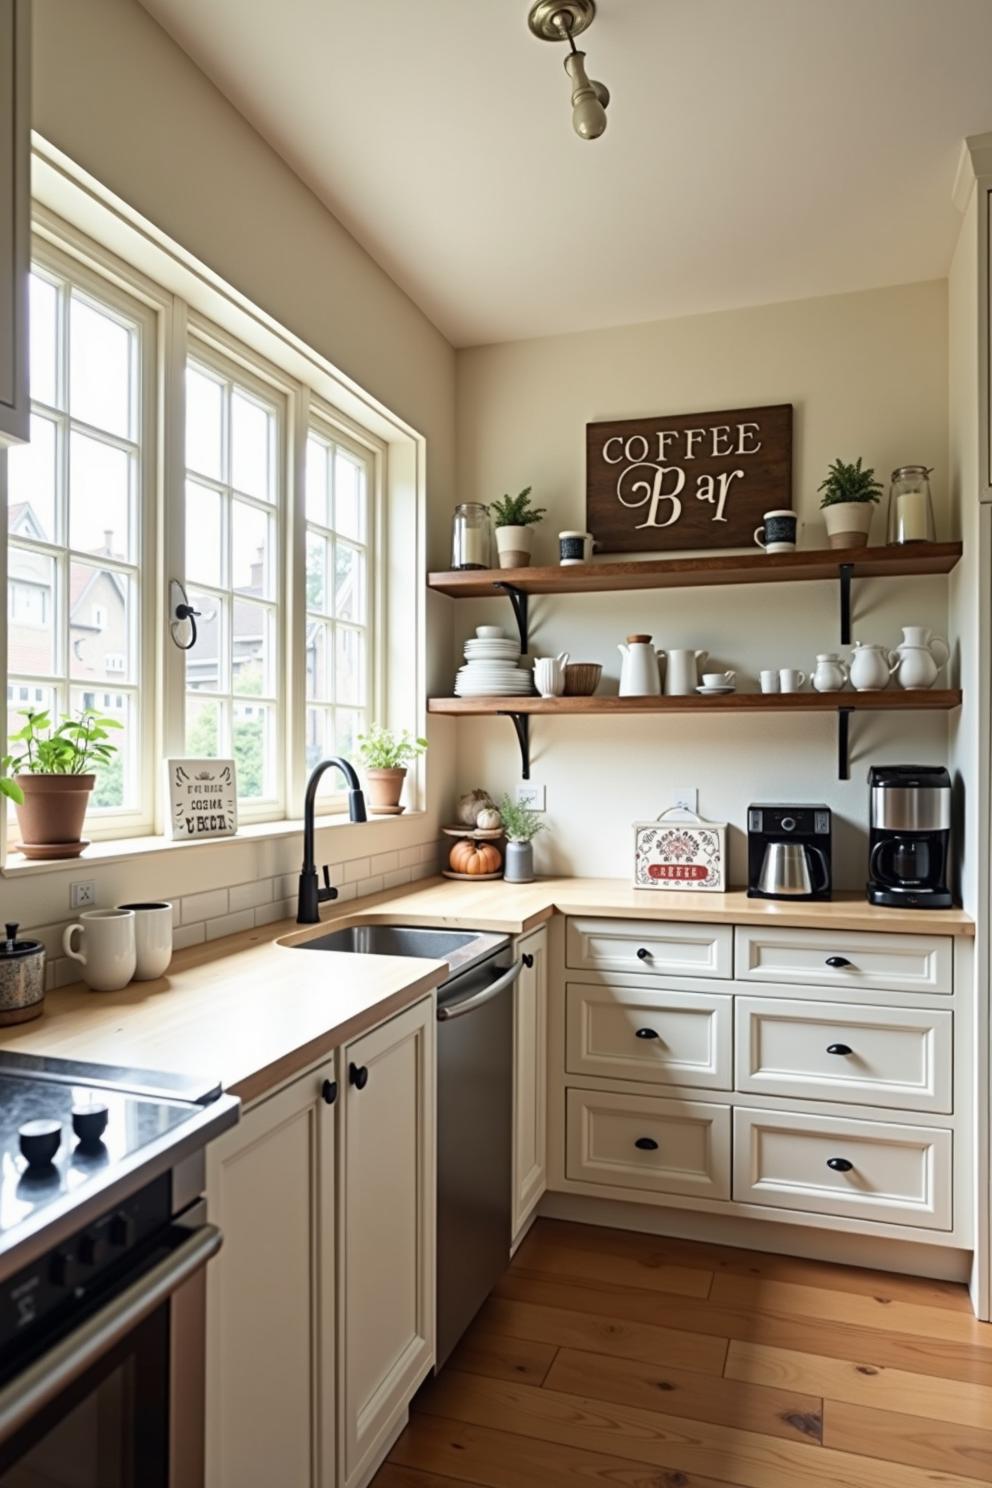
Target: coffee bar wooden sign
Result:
[701, 480]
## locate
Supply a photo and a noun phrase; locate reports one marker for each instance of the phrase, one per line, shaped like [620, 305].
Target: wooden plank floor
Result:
[607, 1359]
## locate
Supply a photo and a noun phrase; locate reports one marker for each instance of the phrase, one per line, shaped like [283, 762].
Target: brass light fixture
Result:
[564, 20]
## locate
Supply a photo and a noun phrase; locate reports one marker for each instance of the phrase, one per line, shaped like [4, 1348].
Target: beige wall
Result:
[867, 374]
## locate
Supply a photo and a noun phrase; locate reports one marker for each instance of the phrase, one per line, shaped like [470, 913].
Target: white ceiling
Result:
[757, 150]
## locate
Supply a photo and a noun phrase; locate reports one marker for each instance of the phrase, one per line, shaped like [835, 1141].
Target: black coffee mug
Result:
[777, 533]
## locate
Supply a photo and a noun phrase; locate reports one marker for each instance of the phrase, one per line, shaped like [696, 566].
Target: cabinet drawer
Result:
[647, 947]
[894, 1174]
[857, 959]
[639, 1142]
[651, 1034]
[898, 1057]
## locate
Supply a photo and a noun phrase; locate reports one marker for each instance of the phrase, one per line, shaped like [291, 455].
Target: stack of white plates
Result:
[492, 667]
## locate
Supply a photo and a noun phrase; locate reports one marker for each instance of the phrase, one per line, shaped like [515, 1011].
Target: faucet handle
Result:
[327, 876]
[328, 891]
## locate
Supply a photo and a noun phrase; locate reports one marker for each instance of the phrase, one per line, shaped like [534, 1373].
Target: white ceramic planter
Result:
[849, 523]
[515, 546]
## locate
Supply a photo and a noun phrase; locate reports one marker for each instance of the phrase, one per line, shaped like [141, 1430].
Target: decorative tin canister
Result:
[22, 978]
[684, 852]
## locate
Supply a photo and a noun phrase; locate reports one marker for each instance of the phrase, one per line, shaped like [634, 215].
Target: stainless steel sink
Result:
[460, 948]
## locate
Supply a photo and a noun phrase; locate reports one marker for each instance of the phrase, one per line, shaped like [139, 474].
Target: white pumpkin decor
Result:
[471, 804]
[488, 819]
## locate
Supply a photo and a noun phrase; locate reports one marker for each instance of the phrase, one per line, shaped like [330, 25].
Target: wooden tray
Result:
[471, 877]
[480, 832]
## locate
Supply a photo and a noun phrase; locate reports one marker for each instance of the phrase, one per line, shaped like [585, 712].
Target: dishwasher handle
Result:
[479, 999]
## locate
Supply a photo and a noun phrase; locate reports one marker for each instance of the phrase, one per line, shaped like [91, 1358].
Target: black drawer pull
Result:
[839, 1164]
[646, 1144]
[329, 1091]
[358, 1075]
[837, 962]
[643, 954]
[645, 1033]
[528, 960]
[839, 1049]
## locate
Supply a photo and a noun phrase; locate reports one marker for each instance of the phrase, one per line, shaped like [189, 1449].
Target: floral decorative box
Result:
[684, 852]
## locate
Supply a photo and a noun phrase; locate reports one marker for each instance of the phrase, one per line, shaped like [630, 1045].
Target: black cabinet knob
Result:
[39, 1141]
[839, 1049]
[646, 1144]
[837, 962]
[839, 1164]
[528, 960]
[643, 954]
[358, 1075]
[89, 1123]
[329, 1091]
[645, 1033]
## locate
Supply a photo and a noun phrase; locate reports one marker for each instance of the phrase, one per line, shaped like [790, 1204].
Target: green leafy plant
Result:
[516, 511]
[381, 749]
[519, 823]
[849, 483]
[73, 747]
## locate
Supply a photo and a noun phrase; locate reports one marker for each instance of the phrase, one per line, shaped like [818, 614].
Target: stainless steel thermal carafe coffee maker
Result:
[788, 852]
[910, 836]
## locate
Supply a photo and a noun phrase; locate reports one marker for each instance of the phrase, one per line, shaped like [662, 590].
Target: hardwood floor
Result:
[617, 1360]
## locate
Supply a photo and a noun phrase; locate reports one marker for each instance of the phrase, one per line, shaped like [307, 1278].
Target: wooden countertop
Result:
[253, 1012]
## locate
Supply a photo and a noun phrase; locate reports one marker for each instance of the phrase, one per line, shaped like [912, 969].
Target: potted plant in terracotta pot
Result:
[848, 502]
[386, 756]
[50, 779]
[514, 519]
[521, 826]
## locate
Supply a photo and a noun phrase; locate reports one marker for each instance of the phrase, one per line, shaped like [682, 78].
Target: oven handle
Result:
[48, 1376]
[478, 999]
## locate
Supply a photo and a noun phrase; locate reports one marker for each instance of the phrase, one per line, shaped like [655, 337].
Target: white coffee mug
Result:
[108, 954]
[574, 547]
[152, 938]
[769, 681]
[791, 680]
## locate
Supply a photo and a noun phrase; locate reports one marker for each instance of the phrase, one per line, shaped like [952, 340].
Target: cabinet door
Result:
[270, 1292]
[15, 213]
[386, 1236]
[530, 1078]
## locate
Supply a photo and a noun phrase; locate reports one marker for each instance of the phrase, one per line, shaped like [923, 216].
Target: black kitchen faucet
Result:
[312, 895]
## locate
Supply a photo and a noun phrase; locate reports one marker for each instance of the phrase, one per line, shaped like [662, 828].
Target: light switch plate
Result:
[82, 895]
[686, 798]
[534, 796]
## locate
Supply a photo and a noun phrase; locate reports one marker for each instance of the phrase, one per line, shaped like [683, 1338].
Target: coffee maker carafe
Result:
[788, 852]
[909, 841]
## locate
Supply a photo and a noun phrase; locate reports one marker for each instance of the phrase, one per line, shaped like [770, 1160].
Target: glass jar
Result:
[471, 536]
[910, 506]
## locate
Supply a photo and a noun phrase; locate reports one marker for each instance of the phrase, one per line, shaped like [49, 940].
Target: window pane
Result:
[318, 476]
[320, 685]
[31, 474]
[349, 583]
[254, 754]
[203, 727]
[320, 744]
[99, 497]
[115, 781]
[349, 496]
[250, 452]
[253, 669]
[99, 368]
[317, 596]
[31, 626]
[349, 666]
[43, 338]
[204, 535]
[348, 724]
[252, 550]
[206, 669]
[204, 423]
[100, 612]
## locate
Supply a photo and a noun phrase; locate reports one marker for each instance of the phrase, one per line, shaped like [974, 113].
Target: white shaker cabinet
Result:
[530, 1078]
[15, 215]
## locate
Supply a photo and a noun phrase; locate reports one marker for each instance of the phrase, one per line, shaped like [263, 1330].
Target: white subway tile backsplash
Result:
[428, 852]
[409, 857]
[204, 906]
[279, 909]
[249, 895]
[357, 869]
[65, 971]
[394, 880]
[287, 885]
[231, 924]
[187, 935]
[346, 892]
[369, 886]
[385, 862]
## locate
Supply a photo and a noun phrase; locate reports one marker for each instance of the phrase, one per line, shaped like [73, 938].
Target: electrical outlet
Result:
[686, 798]
[534, 796]
[82, 895]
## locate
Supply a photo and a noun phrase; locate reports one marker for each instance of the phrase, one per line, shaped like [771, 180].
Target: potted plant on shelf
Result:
[521, 825]
[50, 779]
[514, 519]
[849, 498]
[386, 756]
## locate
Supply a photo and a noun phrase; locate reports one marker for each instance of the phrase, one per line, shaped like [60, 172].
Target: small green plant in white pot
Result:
[386, 757]
[515, 519]
[521, 825]
[849, 497]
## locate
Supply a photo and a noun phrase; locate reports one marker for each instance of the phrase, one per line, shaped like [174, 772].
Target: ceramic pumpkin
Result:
[475, 858]
[488, 819]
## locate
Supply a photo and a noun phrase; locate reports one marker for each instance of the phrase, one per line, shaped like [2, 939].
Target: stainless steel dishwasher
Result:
[474, 1125]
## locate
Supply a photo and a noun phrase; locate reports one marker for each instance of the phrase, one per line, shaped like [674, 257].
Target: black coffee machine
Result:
[910, 836]
[788, 852]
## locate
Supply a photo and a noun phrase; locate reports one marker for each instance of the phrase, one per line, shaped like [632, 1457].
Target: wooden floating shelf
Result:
[747, 702]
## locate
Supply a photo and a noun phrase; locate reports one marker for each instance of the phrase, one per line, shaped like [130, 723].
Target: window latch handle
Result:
[182, 613]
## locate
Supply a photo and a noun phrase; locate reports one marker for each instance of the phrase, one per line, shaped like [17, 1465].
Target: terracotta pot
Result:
[384, 789]
[849, 523]
[53, 813]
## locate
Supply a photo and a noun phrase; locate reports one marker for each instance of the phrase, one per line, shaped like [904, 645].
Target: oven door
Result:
[118, 1401]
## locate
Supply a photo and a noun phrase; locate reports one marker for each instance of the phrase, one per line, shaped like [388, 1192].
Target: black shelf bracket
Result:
[844, 743]
[521, 722]
[846, 574]
[518, 599]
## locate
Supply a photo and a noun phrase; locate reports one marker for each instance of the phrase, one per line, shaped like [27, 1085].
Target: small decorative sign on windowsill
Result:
[682, 852]
[202, 796]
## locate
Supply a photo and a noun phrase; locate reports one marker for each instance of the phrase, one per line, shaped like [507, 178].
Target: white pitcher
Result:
[549, 674]
[920, 657]
[682, 673]
[640, 673]
[870, 668]
[830, 673]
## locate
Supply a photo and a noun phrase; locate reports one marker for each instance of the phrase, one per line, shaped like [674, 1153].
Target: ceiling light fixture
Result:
[564, 20]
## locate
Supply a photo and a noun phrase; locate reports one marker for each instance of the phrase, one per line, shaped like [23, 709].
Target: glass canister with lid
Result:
[471, 536]
[911, 505]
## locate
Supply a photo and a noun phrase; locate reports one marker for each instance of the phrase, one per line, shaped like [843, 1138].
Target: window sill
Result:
[120, 849]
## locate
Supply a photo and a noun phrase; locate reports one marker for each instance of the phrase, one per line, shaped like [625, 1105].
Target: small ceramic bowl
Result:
[582, 678]
[490, 633]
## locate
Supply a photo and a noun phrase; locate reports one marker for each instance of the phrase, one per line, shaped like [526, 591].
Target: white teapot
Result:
[830, 673]
[920, 657]
[870, 667]
[640, 673]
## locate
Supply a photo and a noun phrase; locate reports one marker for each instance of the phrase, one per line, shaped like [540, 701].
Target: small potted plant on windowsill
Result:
[51, 778]
[521, 826]
[848, 502]
[514, 519]
[386, 757]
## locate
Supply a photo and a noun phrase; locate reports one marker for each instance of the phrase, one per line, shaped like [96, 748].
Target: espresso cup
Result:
[152, 938]
[791, 680]
[777, 533]
[574, 547]
[718, 679]
[108, 954]
[769, 681]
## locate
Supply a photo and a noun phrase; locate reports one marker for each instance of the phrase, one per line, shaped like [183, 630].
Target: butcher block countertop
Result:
[252, 1012]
